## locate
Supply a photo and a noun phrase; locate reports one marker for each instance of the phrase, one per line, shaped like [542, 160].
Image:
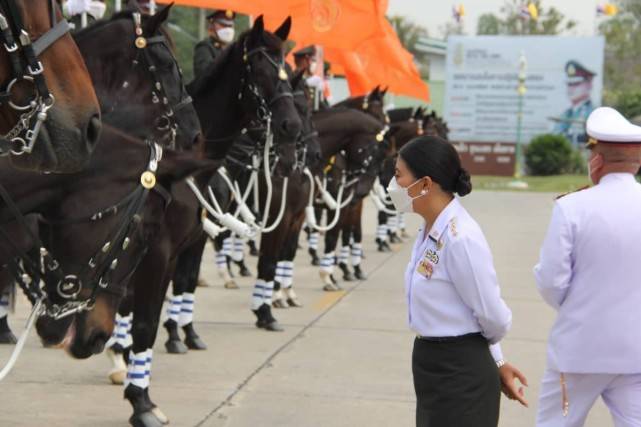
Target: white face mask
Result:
[226, 34]
[403, 202]
[312, 67]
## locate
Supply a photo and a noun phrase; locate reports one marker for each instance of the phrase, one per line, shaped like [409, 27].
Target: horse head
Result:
[49, 114]
[138, 80]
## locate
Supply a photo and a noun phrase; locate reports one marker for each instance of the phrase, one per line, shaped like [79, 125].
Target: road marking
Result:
[328, 300]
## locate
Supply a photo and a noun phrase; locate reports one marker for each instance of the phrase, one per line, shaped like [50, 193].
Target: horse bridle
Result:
[97, 274]
[301, 142]
[26, 67]
[167, 121]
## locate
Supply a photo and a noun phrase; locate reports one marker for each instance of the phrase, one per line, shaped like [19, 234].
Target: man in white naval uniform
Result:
[590, 272]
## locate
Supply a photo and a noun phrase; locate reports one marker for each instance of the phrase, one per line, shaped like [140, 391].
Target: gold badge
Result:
[380, 137]
[148, 180]
[141, 42]
[432, 256]
[453, 229]
[425, 268]
[229, 14]
[571, 70]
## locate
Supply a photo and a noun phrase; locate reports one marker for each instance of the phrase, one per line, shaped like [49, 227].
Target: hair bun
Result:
[463, 183]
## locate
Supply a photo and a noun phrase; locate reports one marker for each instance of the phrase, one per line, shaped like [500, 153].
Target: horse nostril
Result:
[92, 131]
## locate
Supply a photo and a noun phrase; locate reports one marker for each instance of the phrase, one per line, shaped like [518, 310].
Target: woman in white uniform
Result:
[453, 296]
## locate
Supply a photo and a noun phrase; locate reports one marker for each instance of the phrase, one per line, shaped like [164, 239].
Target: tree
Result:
[622, 68]
[550, 21]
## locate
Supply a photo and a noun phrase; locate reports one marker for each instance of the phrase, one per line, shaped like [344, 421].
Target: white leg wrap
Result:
[381, 232]
[150, 354]
[357, 254]
[262, 293]
[278, 276]
[314, 236]
[288, 274]
[136, 371]
[4, 305]
[239, 249]
[343, 255]
[186, 309]
[228, 245]
[401, 220]
[173, 311]
[392, 223]
[327, 262]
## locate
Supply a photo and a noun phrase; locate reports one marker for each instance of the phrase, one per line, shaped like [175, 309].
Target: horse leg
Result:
[6, 335]
[381, 233]
[343, 255]
[150, 285]
[223, 251]
[238, 256]
[288, 263]
[174, 344]
[329, 258]
[186, 278]
[119, 346]
[264, 287]
[313, 238]
[357, 245]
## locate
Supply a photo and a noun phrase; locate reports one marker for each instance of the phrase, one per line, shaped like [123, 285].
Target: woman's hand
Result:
[509, 374]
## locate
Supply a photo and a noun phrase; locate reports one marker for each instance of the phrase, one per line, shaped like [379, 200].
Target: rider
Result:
[220, 26]
[93, 10]
[306, 60]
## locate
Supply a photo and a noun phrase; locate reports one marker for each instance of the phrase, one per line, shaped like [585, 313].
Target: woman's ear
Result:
[426, 185]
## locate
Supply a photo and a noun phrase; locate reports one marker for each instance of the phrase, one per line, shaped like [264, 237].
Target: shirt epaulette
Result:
[572, 192]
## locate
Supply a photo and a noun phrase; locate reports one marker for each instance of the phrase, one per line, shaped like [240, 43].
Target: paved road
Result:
[344, 359]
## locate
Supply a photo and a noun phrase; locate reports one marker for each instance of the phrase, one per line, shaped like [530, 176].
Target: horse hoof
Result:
[160, 415]
[145, 419]
[331, 287]
[360, 275]
[231, 285]
[244, 271]
[294, 302]
[315, 262]
[117, 377]
[272, 327]
[279, 303]
[393, 238]
[202, 283]
[7, 337]
[266, 320]
[195, 343]
[176, 347]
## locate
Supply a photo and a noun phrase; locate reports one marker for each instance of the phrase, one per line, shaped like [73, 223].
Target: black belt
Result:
[450, 339]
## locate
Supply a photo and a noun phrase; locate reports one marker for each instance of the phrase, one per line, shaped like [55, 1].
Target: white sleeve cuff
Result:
[496, 351]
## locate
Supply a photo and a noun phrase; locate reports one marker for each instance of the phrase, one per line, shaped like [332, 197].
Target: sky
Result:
[432, 14]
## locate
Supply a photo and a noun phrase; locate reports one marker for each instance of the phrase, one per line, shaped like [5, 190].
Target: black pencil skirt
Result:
[457, 383]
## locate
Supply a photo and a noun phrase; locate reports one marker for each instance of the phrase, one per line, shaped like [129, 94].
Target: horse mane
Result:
[267, 40]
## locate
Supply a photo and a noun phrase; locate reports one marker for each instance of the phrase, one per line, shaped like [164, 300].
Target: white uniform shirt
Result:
[590, 272]
[450, 282]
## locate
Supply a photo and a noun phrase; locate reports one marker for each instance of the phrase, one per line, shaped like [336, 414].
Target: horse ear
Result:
[155, 21]
[283, 31]
[258, 29]
[384, 91]
[376, 92]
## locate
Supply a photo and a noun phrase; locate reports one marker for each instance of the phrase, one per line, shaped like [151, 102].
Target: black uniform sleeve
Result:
[203, 57]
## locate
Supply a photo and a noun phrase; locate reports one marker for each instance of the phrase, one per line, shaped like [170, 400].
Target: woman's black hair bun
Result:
[463, 183]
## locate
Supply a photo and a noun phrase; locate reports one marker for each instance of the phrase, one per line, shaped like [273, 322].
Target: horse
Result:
[228, 97]
[49, 115]
[149, 99]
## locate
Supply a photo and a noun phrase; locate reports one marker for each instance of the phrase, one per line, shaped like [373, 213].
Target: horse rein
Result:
[97, 274]
[26, 67]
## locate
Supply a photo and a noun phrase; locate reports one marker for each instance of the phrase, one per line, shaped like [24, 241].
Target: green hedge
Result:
[550, 154]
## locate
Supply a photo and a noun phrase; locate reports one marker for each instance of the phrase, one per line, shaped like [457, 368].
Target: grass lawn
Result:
[552, 184]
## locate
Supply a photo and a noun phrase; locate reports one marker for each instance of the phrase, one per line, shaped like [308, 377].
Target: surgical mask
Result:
[312, 67]
[400, 196]
[226, 35]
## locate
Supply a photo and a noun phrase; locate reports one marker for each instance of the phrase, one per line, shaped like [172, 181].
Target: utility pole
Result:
[521, 90]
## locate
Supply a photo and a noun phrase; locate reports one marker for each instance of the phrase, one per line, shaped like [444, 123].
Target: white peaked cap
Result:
[607, 125]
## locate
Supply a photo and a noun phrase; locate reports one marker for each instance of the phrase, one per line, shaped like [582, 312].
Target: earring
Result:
[423, 192]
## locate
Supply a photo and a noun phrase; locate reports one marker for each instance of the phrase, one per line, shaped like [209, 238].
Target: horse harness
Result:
[26, 67]
[97, 275]
[167, 121]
